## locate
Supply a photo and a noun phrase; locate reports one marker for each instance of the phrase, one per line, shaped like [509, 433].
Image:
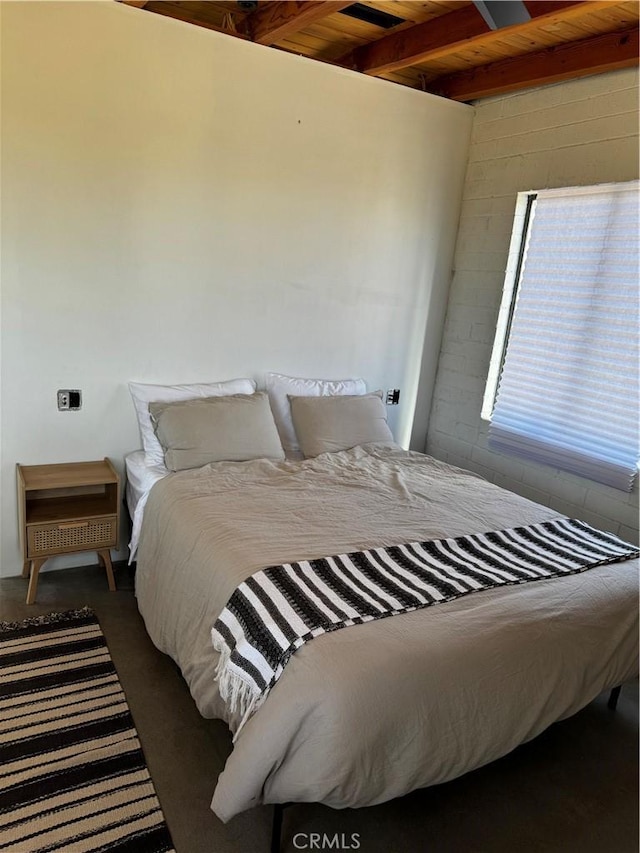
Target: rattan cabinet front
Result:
[70, 536]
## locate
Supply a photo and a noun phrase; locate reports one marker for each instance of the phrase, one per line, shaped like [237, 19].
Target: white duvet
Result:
[370, 712]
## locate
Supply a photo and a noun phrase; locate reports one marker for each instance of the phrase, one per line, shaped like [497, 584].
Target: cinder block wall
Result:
[577, 133]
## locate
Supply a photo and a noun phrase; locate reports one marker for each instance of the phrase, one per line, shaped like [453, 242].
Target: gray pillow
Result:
[328, 424]
[216, 429]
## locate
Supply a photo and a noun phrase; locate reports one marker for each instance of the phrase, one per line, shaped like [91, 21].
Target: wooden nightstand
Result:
[65, 508]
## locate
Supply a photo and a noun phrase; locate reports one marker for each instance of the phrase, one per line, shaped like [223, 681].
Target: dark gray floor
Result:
[575, 788]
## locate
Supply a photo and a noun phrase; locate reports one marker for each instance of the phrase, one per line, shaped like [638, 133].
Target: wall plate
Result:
[69, 400]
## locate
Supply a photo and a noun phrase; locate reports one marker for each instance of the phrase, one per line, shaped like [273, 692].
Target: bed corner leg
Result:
[613, 698]
[276, 827]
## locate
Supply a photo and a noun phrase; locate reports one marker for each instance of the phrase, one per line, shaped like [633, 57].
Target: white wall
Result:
[181, 206]
[578, 133]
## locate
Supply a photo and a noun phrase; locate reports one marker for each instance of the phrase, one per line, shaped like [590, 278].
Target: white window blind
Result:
[568, 390]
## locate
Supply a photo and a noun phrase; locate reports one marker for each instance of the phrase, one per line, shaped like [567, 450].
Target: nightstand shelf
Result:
[46, 510]
[67, 508]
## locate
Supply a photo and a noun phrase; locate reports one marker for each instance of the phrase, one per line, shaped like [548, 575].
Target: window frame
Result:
[516, 265]
[523, 216]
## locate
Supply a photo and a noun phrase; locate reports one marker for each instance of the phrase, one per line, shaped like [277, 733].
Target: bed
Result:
[371, 712]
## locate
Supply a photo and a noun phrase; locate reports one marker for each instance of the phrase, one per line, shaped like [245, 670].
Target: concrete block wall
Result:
[576, 133]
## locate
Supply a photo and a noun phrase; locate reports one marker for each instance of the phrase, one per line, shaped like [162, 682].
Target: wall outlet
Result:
[393, 396]
[69, 400]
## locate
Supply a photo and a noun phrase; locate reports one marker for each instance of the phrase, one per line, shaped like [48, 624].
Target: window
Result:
[563, 381]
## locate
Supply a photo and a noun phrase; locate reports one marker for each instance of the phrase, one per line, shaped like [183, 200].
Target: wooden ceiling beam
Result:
[179, 13]
[446, 34]
[274, 21]
[139, 4]
[407, 47]
[594, 55]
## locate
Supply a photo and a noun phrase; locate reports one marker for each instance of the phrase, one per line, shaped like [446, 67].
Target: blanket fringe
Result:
[239, 695]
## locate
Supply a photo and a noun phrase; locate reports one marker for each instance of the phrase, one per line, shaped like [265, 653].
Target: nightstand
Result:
[67, 508]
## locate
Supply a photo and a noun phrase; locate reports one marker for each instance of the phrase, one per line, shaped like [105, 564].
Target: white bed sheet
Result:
[141, 477]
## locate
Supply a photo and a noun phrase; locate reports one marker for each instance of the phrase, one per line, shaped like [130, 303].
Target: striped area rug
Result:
[72, 774]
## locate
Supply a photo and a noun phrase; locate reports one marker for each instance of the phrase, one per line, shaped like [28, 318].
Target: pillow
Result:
[281, 387]
[144, 394]
[216, 429]
[327, 424]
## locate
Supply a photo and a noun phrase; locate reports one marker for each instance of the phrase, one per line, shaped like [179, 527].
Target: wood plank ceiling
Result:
[440, 46]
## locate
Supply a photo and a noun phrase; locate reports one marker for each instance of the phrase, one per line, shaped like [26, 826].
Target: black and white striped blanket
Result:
[278, 609]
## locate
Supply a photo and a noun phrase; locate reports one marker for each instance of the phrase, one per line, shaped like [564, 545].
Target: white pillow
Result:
[144, 394]
[281, 387]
